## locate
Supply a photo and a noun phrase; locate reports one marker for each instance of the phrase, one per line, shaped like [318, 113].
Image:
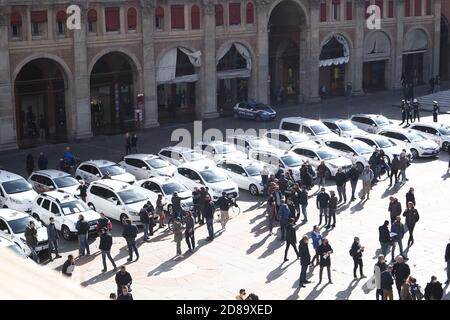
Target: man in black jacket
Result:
[410, 197]
[322, 204]
[224, 204]
[384, 236]
[291, 238]
[401, 272]
[332, 207]
[189, 231]
[356, 253]
[42, 161]
[123, 278]
[447, 259]
[130, 232]
[208, 214]
[433, 290]
[83, 233]
[305, 260]
[353, 176]
[83, 190]
[105, 247]
[395, 208]
[303, 202]
[125, 294]
[145, 219]
[196, 204]
[341, 181]
[395, 166]
[103, 223]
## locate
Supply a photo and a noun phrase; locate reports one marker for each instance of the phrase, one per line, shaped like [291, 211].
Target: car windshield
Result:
[347, 126]
[326, 155]
[361, 147]
[157, 163]
[213, 176]
[445, 131]
[384, 143]
[292, 160]
[17, 250]
[381, 121]
[133, 195]
[64, 182]
[18, 226]
[320, 129]
[259, 106]
[259, 143]
[415, 137]
[253, 170]
[193, 156]
[225, 148]
[73, 207]
[171, 187]
[16, 186]
[113, 170]
[298, 138]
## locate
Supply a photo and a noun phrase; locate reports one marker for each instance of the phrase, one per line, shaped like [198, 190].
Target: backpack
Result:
[351, 252]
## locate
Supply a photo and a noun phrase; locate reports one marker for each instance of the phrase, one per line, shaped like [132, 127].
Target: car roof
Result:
[341, 139]
[113, 184]
[161, 179]
[58, 195]
[197, 165]
[274, 151]
[99, 163]
[370, 136]
[334, 120]
[51, 173]
[300, 120]
[244, 162]
[178, 149]
[368, 115]
[310, 146]
[286, 132]
[8, 176]
[141, 156]
[430, 124]
[214, 143]
[398, 130]
[8, 214]
[244, 136]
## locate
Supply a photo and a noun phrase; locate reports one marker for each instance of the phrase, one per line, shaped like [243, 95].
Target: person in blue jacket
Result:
[317, 241]
[284, 213]
[397, 233]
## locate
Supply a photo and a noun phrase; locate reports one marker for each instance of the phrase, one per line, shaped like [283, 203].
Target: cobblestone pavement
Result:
[245, 256]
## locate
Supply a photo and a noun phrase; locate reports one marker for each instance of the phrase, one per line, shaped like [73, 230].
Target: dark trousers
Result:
[411, 237]
[53, 246]
[210, 227]
[283, 229]
[323, 212]
[378, 294]
[356, 263]
[288, 244]
[271, 219]
[332, 215]
[201, 217]
[127, 149]
[353, 183]
[435, 117]
[107, 254]
[416, 116]
[303, 273]
[190, 240]
[393, 174]
[398, 284]
[315, 258]
[328, 273]
[131, 243]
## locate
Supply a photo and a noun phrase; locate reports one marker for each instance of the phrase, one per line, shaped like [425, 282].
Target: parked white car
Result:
[118, 200]
[411, 140]
[245, 173]
[371, 123]
[15, 192]
[200, 174]
[181, 155]
[7, 244]
[358, 152]
[217, 150]
[314, 129]
[167, 187]
[245, 143]
[342, 127]
[285, 139]
[389, 146]
[13, 225]
[94, 170]
[47, 180]
[439, 133]
[144, 166]
[315, 154]
[64, 208]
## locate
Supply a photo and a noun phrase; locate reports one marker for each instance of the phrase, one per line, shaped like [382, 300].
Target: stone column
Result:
[208, 81]
[358, 51]
[7, 126]
[262, 54]
[398, 65]
[149, 72]
[314, 53]
[81, 92]
[436, 37]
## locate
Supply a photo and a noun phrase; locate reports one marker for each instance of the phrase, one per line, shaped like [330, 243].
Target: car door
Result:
[370, 142]
[284, 141]
[2, 197]
[35, 182]
[44, 213]
[97, 198]
[184, 177]
[5, 231]
[313, 157]
[238, 175]
[333, 127]
[141, 169]
[195, 178]
[87, 173]
[130, 165]
[56, 213]
[433, 134]
[360, 123]
[47, 183]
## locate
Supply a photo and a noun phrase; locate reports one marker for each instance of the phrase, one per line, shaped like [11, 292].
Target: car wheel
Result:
[253, 190]
[90, 205]
[327, 174]
[5, 207]
[123, 219]
[414, 153]
[445, 146]
[36, 216]
[360, 167]
[66, 234]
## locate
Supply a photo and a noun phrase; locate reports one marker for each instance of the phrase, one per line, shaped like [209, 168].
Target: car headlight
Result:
[15, 201]
[216, 190]
[133, 213]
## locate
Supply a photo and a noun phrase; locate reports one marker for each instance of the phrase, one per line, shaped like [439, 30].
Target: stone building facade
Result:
[145, 62]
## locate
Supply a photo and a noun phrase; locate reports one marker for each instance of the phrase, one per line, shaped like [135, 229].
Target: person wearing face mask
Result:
[53, 238]
[378, 269]
[356, 252]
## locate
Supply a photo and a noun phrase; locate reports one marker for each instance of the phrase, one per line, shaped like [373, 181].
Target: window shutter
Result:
[16, 19]
[323, 11]
[407, 8]
[250, 13]
[61, 16]
[132, 19]
[39, 16]
[336, 1]
[112, 19]
[235, 13]
[92, 15]
[391, 9]
[195, 17]
[428, 8]
[177, 16]
[380, 4]
[349, 10]
[417, 8]
[219, 15]
[159, 12]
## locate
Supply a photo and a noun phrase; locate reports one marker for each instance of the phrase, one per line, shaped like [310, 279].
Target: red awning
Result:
[92, 15]
[159, 12]
[39, 16]
[61, 16]
[132, 18]
[16, 19]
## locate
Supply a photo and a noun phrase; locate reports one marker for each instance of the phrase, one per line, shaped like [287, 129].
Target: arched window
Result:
[132, 19]
[250, 13]
[16, 24]
[234, 12]
[159, 18]
[195, 17]
[92, 21]
[112, 19]
[61, 18]
[219, 15]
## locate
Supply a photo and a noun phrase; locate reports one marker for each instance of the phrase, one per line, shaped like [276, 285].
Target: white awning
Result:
[236, 73]
[377, 47]
[335, 61]
[168, 66]
[415, 41]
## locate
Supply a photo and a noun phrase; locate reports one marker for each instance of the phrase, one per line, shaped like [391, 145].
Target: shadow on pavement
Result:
[345, 294]
[316, 293]
[278, 271]
[274, 245]
[99, 278]
[255, 246]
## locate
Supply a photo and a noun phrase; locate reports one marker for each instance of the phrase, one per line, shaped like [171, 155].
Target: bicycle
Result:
[233, 211]
[172, 219]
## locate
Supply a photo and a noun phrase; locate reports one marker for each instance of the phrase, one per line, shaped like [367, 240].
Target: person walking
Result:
[303, 203]
[447, 259]
[317, 241]
[82, 188]
[127, 143]
[123, 278]
[367, 177]
[305, 260]
[325, 252]
[384, 236]
[284, 214]
[31, 240]
[224, 204]
[105, 245]
[208, 213]
[395, 167]
[378, 269]
[401, 272]
[264, 179]
[278, 197]
[403, 108]
[403, 165]
[397, 233]
[145, 220]
[178, 235]
[411, 217]
[196, 204]
[103, 223]
[29, 164]
[202, 203]
[341, 181]
[271, 211]
[134, 140]
[53, 237]
[353, 176]
[435, 111]
[356, 252]
[291, 238]
[332, 207]
[433, 290]
[160, 210]
[416, 107]
[177, 210]
[83, 233]
[321, 174]
[151, 216]
[431, 83]
[437, 83]
[322, 202]
[409, 113]
[387, 282]
[125, 294]
[395, 208]
[189, 231]
[130, 232]
[410, 196]
[42, 161]
[68, 266]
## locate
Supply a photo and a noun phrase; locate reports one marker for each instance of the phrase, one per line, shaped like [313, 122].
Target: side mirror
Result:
[144, 168]
[244, 174]
[58, 214]
[374, 125]
[197, 181]
[118, 202]
[6, 231]
[315, 158]
[98, 175]
[406, 140]
[51, 187]
[288, 142]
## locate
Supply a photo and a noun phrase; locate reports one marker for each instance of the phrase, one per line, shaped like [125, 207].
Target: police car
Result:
[94, 170]
[144, 166]
[253, 110]
[167, 186]
[179, 155]
[285, 139]
[342, 127]
[439, 133]
[353, 149]
[46, 180]
[371, 123]
[245, 173]
[200, 174]
[118, 200]
[15, 192]
[65, 209]
[389, 146]
[13, 225]
[217, 150]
